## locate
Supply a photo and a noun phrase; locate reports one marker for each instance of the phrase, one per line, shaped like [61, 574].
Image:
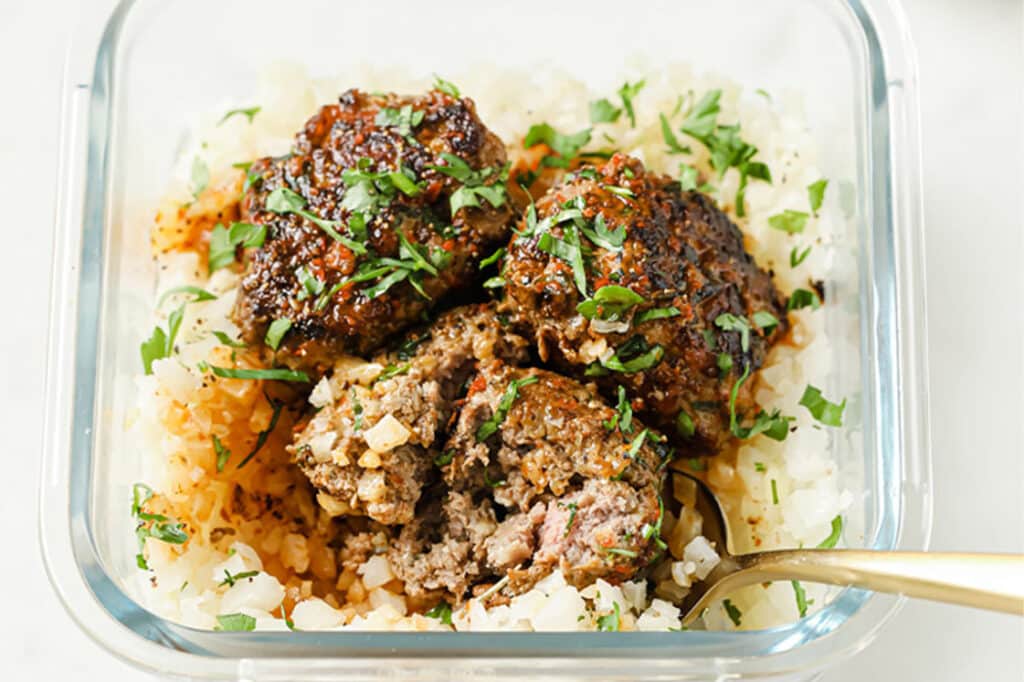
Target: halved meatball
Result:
[621, 276]
[371, 446]
[385, 204]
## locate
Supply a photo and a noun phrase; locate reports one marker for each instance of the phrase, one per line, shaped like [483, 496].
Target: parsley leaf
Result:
[600, 235]
[687, 177]
[610, 302]
[567, 249]
[789, 221]
[160, 344]
[224, 242]
[442, 612]
[473, 183]
[603, 111]
[230, 580]
[402, 120]
[447, 87]
[828, 413]
[816, 194]
[262, 436]
[801, 597]
[731, 323]
[634, 356]
[623, 417]
[735, 615]
[227, 340]
[311, 286]
[276, 331]
[445, 458]
[200, 176]
[566, 146]
[278, 374]
[833, 538]
[802, 298]
[235, 622]
[775, 492]
[611, 622]
[627, 92]
[223, 454]
[674, 147]
[249, 113]
[797, 257]
[491, 426]
[656, 314]
[283, 200]
[392, 371]
[200, 294]
[684, 425]
[765, 320]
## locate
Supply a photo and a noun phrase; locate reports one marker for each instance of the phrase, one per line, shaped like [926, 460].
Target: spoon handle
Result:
[986, 581]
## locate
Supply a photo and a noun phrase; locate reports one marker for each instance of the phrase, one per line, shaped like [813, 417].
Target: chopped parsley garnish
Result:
[726, 147]
[735, 615]
[621, 551]
[493, 258]
[687, 177]
[493, 484]
[765, 320]
[283, 200]
[600, 235]
[447, 87]
[638, 442]
[566, 146]
[620, 191]
[223, 454]
[235, 622]
[789, 221]
[623, 417]
[160, 344]
[276, 331]
[656, 314]
[731, 323]
[634, 356]
[402, 120]
[445, 458]
[227, 340]
[760, 467]
[261, 437]
[200, 294]
[802, 298]
[573, 510]
[626, 93]
[603, 111]
[409, 346]
[357, 411]
[230, 580]
[816, 194]
[224, 242]
[828, 413]
[491, 426]
[833, 538]
[724, 362]
[774, 425]
[443, 611]
[473, 183]
[200, 176]
[653, 532]
[610, 622]
[697, 464]
[311, 286]
[610, 302]
[673, 143]
[392, 371]
[775, 492]
[493, 283]
[413, 261]
[277, 374]
[569, 250]
[801, 597]
[684, 425]
[159, 528]
[249, 113]
[796, 257]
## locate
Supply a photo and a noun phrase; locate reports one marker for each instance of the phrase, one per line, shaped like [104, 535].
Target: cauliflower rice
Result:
[233, 530]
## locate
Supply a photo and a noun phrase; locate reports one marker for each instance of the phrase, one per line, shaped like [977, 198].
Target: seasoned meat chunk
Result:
[371, 446]
[385, 204]
[620, 275]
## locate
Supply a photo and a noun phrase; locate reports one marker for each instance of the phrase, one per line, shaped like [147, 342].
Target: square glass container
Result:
[137, 72]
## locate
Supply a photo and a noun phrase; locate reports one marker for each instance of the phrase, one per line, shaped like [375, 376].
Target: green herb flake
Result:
[760, 467]
[735, 615]
[623, 417]
[235, 622]
[638, 442]
[566, 146]
[656, 314]
[610, 302]
[765, 320]
[796, 257]
[803, 298]
[442, 612]
[775, 492]
[276, 374]
[491, 426]
[573, 510]
[610, 622]
[493, 258]
[688, 177]
[200, 176]
[801, 597]
[724, 362]
[568, 250]
[697, 464]
[447, 87]
[621, 551]
[674, 147]
[731, 323]
[160, 344]
[392, 371]
[826, 412]
[276, 331]
[833, 538]
[227, 340]
[311, 286]
[200, 294]
[634, 356]
[445, 458]
[230, 580]
[603, 111]
[223, 454]
[249, 113]
[684, 425]
[816, 194]
[789, 221]
[627, 92]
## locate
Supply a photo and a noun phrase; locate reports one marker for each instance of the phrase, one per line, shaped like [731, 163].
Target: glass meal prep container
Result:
[138, 71]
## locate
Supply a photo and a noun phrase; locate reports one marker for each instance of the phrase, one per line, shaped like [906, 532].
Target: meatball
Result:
[620, 275]
[370, 448]
[385, 204]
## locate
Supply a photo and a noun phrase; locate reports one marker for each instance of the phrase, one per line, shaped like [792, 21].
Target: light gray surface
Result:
[971, 85]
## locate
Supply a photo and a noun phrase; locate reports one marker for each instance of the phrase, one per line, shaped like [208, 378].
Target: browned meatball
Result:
[385, 204]
[621, 276]
[411, 392]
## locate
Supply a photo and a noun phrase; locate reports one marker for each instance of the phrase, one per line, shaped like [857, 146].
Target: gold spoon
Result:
[986, 581]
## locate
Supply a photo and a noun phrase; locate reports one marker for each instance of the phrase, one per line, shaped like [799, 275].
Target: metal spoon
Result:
[986, 581]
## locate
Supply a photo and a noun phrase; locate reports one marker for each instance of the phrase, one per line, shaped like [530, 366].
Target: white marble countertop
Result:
[971, 88]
